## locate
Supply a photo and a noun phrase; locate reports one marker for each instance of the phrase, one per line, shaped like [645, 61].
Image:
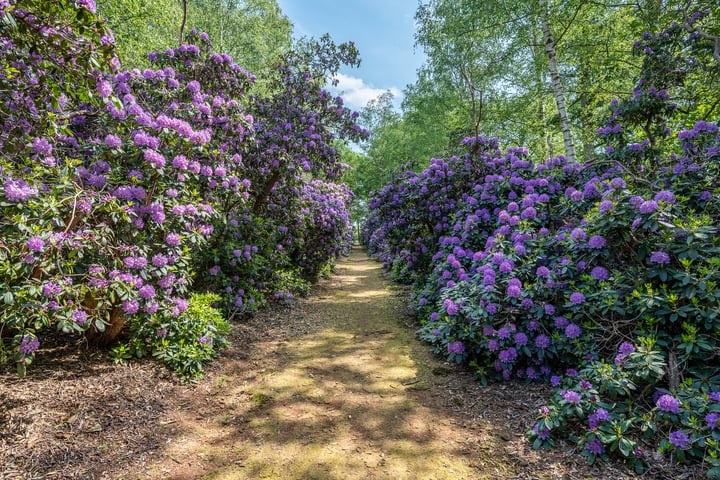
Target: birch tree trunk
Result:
[557, 86]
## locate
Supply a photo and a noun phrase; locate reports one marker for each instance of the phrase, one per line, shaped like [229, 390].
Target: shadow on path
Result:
[347, 401]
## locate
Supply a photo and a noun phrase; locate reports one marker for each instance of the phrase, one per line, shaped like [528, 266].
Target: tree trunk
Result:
[542, 117]
[557, 84]
[673, 371]
[116, 322]
[262, 197]
[587, 137]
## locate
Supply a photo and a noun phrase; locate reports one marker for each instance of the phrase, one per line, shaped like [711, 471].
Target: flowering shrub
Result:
[525, 269]
[322, 230]
[606, 405]
[112, 205]
[184, 345]
[117, 186]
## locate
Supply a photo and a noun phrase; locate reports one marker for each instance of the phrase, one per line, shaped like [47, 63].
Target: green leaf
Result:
[625, 447]
[714, 473]
[8, 298]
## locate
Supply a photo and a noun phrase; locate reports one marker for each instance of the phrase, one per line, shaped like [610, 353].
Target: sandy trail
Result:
[348, 400]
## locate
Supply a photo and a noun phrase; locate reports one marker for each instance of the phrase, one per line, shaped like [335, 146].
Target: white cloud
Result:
[356, 93]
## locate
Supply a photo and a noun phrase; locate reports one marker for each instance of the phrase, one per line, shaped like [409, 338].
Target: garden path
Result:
[350, 399]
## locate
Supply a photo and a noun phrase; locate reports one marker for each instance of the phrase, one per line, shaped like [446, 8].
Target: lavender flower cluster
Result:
[147, 172]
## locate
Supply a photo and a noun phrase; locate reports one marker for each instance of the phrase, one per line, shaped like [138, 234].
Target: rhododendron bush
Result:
[118, 187]
[602, 278]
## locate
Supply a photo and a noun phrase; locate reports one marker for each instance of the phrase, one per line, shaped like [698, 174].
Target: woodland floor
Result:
[336, 388]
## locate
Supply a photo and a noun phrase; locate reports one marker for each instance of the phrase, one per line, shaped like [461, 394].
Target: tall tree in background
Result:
[472, 51]
[253, 32]
[142, 26]
[557, 86]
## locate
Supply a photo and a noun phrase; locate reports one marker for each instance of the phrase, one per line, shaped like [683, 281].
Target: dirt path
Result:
[337, 403]
[336, 388]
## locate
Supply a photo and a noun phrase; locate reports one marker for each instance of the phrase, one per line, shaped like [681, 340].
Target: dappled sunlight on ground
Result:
[339, 405]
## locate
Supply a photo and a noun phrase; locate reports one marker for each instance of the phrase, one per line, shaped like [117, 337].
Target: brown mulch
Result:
[78, 416]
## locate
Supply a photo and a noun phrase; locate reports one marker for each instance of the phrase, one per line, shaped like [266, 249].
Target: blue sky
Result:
[383, 31]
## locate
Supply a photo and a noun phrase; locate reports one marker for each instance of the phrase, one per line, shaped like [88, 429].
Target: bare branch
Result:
[699, 32]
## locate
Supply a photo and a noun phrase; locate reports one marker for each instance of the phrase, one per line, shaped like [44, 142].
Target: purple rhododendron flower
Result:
[680, 439]
[665, 196]
[172, 239]
[542, 434]
[130, 306]
[595, 447]
[159, 260]
[578, 234]
[599, 273]
[79, 316]
[193, 86]
[571, 396]
[606, 206]
[457, 347]
[668, 403]
[529, 212]
[36, 244]
[104, 88]
[561, 322]
[506, 266]
[599, 416]
[577, 298]
[660, 258]
[155, 158]
[542, 341]
[507, 355]
[113, 141]
[573, 331]
[514, 291]
[88, 4]
[648, 206]
[596, 241]
[626, 348]
[713, 420]
[147, 292]
[18, 190]
[28, 345]
[555, 381]
[41, 146]
[51, 289]
[180, 162]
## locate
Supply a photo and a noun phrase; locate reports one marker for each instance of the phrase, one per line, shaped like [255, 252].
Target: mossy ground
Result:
[340, 402]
